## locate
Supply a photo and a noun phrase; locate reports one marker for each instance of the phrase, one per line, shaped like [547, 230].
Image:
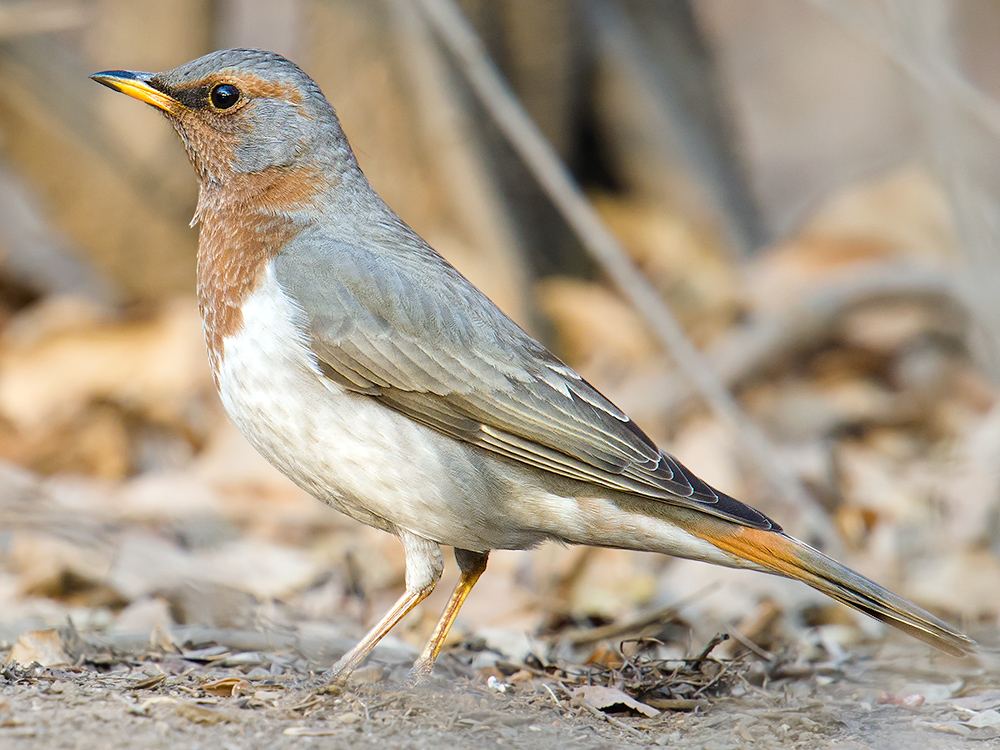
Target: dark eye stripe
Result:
[192, 97]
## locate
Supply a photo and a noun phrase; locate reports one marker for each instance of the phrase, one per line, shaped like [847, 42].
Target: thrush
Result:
[373, 374]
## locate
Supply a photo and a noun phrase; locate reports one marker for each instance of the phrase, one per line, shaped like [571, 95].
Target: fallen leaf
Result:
[607, 657]
[599, 696]
[593, 324]
[54, 567]
[148, 683]
[950, 727]
[152, 366]
[227, 687]
[990, 718]
[40, 646]
[980, 702]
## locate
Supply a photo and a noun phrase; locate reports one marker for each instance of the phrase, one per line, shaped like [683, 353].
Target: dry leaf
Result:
[686, 265]
[990, 718]
[981, 702]
[907, 211]
[599, 696]
[40, 646]
[155, 366]
[227, 687]
[57, 567]
[606, 657]
[148, 683]
[903, 219]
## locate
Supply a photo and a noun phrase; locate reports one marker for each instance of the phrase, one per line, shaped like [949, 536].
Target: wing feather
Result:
[406, 328]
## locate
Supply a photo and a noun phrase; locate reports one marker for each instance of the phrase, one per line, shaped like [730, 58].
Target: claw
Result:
[418, 674]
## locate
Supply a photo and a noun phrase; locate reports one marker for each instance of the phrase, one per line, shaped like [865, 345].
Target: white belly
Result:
[347, 449]
[383, 469]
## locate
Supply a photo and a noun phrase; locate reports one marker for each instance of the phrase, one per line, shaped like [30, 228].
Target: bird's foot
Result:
[331, 682]
[419, 673]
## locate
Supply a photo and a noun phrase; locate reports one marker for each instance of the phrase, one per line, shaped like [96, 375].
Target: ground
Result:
[214, 697]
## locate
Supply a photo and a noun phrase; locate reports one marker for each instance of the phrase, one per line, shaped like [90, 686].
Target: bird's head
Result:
[242, 113]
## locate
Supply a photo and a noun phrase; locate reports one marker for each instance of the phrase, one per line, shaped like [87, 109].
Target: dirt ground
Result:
[214, 696]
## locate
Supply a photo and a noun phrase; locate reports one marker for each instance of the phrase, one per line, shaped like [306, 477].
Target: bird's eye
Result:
[224, 96]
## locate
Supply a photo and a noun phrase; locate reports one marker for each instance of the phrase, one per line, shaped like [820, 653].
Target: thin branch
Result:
[553, 176]
[584, 636]
[915, 38]
[459, 161]
[766, 337]
[929, 74]
[678, 106]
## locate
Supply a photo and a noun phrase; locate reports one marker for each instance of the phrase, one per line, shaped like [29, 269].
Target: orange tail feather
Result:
[785, 556]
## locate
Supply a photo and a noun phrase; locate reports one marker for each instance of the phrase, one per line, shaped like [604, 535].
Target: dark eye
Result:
[224, 96]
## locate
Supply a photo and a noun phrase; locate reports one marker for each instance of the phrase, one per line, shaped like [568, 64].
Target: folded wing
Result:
[404, 327]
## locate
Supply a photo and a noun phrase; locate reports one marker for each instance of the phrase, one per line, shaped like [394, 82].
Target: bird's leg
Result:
[471, 565]
[423, 571]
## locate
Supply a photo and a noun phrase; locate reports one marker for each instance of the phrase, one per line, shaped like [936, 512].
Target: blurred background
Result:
[810, 187]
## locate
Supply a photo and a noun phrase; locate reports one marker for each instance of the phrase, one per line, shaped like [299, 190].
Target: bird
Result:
[367, 369]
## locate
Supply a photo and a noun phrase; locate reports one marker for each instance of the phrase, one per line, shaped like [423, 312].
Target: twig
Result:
[579, 213]
[583, 636]
[472, 189]
[676, 107]
[980, 106]
[915, 38]
[550, 692]
[710, 647]
[765, 337]
[723, 671]
[609, 718]
[676, 704]
[745, 641]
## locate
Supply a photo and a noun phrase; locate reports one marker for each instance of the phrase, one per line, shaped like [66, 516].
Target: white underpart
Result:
[383, 469]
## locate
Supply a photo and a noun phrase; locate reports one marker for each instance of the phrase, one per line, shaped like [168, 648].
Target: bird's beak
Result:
[136, 85]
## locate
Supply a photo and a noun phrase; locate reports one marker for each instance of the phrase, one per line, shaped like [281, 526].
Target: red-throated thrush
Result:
[367, 369]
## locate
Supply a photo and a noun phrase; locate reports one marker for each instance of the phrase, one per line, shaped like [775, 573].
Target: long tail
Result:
[785, 556]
